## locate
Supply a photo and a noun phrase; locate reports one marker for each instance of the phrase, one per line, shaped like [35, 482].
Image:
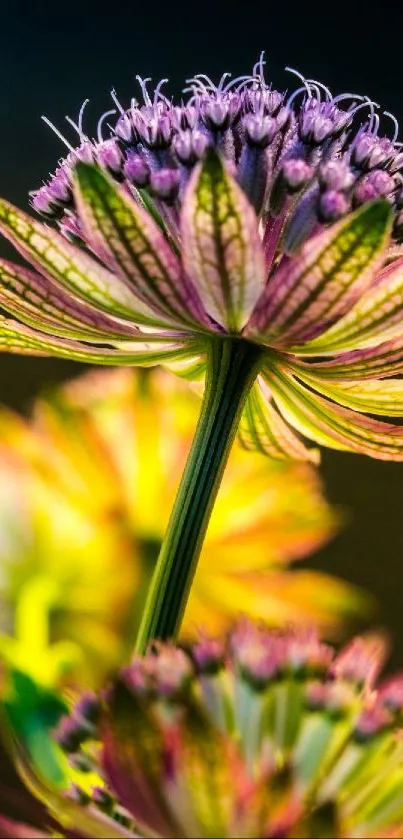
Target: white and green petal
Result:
[308, 293]
[129, 240]
[383, 397]
[378, 362]
[263, 429]
[39, 302]
[145, 350]
[377, 316]
[330, 424]
[72, 268]
[221, 247]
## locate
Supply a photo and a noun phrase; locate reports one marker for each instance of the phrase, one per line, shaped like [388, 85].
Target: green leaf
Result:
[221, 246]
[315, 288]
[126, 236]
[33, 713]
[89, 822]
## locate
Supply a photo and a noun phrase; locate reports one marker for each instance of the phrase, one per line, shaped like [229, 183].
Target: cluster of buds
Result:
[263, 734]
[305, 160]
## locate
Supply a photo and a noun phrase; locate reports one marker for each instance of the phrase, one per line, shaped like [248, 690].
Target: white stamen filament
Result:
[58, 133]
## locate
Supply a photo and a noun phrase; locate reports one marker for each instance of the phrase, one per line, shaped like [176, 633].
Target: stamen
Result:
[395, 123]
[323, 86]
[116, 101]
[100, 124]
[143, 85]
[222, 80]
[58, 133]
[258, 68]
[296, 93]
[79, 125]
[241, 82]
[353, 96]
[374, 121]
[207, 87]
[302, 79]
[158, 94]
[368, 103]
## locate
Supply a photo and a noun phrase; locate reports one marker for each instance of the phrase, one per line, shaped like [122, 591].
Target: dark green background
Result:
[53, 55]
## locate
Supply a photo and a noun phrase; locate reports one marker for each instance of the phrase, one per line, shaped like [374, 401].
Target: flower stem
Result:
[232, 369]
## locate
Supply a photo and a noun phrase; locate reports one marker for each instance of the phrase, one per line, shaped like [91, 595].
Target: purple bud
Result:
[125, 130]
[190, 146]
[216, 114]
[165, 183]
[59, 188]
[103, 799]
[390, 693]
[78, 795]
[110, 156]
[71, 734]
[184, 117]
[336, 174]
[209, 655]
[259, 130]
[43, 202]
[315, 123]
[363, 148]
[155, 130]
[381, 153]
[375, 184]
[266, 102]
[88, 707]
[332, 206]
[361, 661]
[136, 170]
[370, 723]
[85, 153]
[296, 174]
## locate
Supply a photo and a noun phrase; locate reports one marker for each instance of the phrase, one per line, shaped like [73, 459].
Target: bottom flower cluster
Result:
[268, 734]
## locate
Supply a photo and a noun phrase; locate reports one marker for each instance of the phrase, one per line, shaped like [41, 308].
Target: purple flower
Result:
[262, 734]
[240, 213]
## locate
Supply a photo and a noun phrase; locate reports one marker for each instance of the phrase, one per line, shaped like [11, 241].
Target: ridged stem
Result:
[232, 369]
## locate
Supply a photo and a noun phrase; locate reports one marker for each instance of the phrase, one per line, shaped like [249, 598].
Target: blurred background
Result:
[54, 55]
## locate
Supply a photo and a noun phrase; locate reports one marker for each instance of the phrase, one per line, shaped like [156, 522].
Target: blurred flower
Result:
[267, 734]
[90, 480]
[240, 214]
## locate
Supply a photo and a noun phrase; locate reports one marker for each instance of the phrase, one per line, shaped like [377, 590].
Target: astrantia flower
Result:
[91, 480]
[275, 239]
[266, 735]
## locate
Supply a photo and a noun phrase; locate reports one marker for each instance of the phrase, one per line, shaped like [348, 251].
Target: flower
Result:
[264, 734]
[241, 213]
[91, 480]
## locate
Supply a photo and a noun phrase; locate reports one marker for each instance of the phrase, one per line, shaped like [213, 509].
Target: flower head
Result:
[241, 212]
[262, 734]
[91, 480]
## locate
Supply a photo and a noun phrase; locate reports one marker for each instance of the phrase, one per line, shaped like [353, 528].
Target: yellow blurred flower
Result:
[87, 488]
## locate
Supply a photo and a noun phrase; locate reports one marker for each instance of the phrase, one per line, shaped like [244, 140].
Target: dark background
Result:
[53, 55]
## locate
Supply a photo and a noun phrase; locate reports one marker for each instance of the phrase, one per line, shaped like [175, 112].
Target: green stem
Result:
[233, 367]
